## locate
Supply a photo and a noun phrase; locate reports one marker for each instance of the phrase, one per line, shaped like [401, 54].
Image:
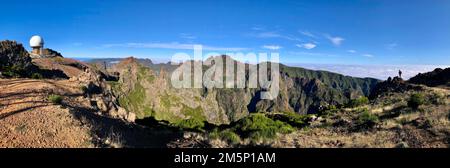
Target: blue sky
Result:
[375, 32]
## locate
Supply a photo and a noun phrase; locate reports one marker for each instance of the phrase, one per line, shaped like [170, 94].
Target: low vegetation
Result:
[329, 110]
[55, 99]
[437, 99]
[358, 102]
[12, 71]
[84, 89]
[258, 127]
[416, 100]
[293, 119]
[367, 119]
[191, 124]
[144, 73]
[133, 100]
[36, 76]
[226, 135]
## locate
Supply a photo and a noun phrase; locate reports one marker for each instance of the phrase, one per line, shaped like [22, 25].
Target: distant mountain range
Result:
[381, 72]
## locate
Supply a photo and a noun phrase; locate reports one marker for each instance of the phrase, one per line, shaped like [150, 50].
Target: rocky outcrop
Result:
[438, 77]
[396, 84]
[100, 94]
[14, 59]
[49, 53]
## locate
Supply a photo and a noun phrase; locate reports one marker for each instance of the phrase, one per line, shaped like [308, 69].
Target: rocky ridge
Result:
[149, 93]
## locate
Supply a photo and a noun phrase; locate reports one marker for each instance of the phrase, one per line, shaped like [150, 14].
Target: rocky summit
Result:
[438, 77]
[14, 59]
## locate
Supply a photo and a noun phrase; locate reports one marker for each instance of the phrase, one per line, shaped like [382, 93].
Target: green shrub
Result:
[259, 127]
[13, 71]
[84, 89]
[56, 99]
[416, 100]
[358, 102]
[230, 137]
[36, 76]
[331, 109]
[293, 119]
[214, 134]
[367, 119]
[227, 135]
[9, 74]
[192, 123]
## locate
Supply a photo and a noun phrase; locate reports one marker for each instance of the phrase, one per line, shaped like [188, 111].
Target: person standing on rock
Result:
[400, 73]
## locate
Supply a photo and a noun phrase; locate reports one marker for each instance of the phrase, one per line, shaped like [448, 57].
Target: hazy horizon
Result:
[381, 72]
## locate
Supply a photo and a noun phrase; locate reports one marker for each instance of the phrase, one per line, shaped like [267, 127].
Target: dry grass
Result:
[399, 125]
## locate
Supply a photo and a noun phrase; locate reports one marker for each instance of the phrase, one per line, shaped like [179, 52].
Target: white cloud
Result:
[187, 36]
[391, 46]
[272, 47]
[312, 54]
[337, 41]
[307, 33]
[351, 51]
[276, 35]
[257, 28]
[307, 45]
[173, 45]
[268, 35]
[368, 55]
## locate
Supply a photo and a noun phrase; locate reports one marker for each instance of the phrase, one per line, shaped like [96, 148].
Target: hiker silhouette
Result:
[399, 73]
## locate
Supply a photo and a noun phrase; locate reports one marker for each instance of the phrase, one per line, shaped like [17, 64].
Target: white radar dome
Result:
[36, 41]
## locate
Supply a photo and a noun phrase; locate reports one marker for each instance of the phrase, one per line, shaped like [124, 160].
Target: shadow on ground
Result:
[125, 134]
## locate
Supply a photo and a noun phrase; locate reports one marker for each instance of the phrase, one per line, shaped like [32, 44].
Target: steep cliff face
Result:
[149, 93]
[306, 91]
[143, 92]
